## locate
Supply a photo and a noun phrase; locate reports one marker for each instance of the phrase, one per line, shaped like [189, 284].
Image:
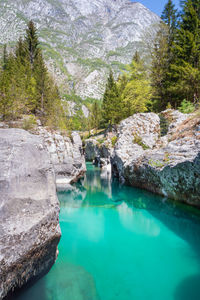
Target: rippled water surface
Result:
[121, 243]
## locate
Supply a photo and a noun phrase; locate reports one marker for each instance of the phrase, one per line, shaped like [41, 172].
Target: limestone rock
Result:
[29, 209]
[99, 149]
[170, 168]
[136, 133]
[66, 155]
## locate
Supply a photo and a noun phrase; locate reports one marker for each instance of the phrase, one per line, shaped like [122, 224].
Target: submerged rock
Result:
[29, 210]
[168, 165]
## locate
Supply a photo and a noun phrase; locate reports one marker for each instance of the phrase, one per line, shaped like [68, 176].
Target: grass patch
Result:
[138, 140]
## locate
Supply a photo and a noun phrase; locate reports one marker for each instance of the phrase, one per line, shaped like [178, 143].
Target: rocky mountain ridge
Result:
[81, 39]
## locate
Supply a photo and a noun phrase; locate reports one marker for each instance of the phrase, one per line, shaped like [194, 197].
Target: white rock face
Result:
[82, 38]
[29, 209]
[32, 167]
[134, 134]
[66, 156]
[171, 165]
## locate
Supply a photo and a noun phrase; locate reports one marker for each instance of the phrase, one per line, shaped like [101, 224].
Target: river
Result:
[122, 243]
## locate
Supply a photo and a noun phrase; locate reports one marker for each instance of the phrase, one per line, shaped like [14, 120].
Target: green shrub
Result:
[186, 107]
[29, 122]
[138, 140]
[164, 125]
[114, 140]
[100, 141]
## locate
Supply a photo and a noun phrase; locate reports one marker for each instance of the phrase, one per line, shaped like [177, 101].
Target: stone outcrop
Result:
[99, 148]
[168, 165]
[29, 209]
[66, 155]
[135, 134]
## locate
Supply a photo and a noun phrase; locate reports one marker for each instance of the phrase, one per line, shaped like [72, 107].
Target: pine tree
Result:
[5, 57]
[163, 56]
[31, 42]
[95, 115]
[25, 85]
[169, 16]
[136, 95]
[111, 107]
[185, 69]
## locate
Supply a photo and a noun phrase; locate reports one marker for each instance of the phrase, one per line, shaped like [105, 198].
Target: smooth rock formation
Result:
[66, 155]
[29, 209]
[168, 165]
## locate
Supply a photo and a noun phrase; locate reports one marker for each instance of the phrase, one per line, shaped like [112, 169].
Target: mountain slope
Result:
[81, 38]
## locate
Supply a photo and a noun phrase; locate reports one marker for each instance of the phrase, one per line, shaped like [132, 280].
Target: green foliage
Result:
[185, 71]
[26, 86]
[138, 140]
[175, 71]
[156, 163]
[114, 140]
[29, 122]
[130, 94]
[112, 104]
[95, 115]
[164, 125]
[186, 107]
[100, 141]
[136, 95]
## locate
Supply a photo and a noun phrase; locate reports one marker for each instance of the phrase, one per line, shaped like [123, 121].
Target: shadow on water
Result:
[65, 281]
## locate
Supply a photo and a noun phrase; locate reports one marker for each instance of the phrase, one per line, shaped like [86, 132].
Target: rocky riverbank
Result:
[31, 165]
[160, 153]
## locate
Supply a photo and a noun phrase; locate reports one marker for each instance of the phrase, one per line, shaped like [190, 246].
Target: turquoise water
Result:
[121, 243]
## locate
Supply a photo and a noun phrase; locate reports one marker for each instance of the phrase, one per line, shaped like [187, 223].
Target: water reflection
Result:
[135, 209]
[120, 243]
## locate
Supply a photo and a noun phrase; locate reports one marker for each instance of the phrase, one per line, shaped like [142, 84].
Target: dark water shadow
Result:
[65, 282]
[188, 289]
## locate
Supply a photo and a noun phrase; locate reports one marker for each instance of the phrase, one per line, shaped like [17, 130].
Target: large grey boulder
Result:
[135, 134]
[29, 209]
[171, 164]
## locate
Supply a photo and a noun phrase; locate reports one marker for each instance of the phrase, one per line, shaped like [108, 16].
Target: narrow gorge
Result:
[99, 150]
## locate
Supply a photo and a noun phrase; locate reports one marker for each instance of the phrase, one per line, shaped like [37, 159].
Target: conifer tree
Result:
[31, 42]
[95, 115]
[136, 95]
[169, 16]
[186, 68]
[5, 57]
[111, 107]
[160, 68]
[163, 56]
[25, 85]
